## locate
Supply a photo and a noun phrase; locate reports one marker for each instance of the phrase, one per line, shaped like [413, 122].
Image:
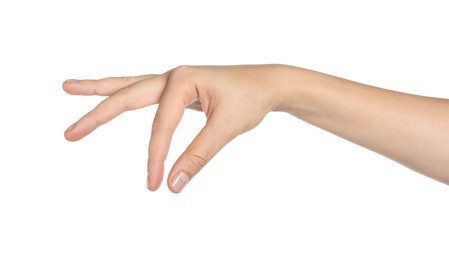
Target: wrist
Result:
[296, 90]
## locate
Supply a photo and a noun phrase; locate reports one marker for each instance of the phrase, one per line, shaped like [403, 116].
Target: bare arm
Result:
[412, 130]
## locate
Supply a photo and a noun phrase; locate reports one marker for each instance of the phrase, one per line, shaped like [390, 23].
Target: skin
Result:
[412, 130]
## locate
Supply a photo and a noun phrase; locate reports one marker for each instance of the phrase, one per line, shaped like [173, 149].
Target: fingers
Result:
[204, 147]
[101, 87]
[178, 94]
[143, 93]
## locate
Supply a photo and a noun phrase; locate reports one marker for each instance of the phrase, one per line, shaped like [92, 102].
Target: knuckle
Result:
[100, 86]
[182, 72]
[197, 159]
[126, 80]
[94, 86]
[159, 126]
[93, 118]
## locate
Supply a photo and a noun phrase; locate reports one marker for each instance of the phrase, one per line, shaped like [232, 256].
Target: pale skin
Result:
[411, 130]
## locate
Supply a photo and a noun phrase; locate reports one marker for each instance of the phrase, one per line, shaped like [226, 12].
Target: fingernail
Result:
[72, 81]
[70, 127]
[180, 180]
[148, 182]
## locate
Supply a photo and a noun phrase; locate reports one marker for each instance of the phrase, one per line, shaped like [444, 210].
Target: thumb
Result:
[204, 147]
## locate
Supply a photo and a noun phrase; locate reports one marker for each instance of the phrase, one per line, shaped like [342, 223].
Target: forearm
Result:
[412, 130]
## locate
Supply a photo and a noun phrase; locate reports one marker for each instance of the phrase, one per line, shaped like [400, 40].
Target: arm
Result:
[412, 130]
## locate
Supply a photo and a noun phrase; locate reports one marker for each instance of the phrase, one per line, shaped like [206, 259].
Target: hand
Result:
[234, 98]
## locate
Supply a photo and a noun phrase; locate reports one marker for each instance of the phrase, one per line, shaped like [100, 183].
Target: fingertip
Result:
[66, 85]
[178, 181]
[155, 174]
[71, 134]
[74, 87]
[154, 185]
[70, 137]
[65, 88]
[149, 184]
[67, 134]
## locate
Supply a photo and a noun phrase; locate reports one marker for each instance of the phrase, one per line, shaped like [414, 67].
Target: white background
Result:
[285, 190]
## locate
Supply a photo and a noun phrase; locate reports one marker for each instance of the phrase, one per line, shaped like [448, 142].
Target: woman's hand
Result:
[410, 129]
[235, 99]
